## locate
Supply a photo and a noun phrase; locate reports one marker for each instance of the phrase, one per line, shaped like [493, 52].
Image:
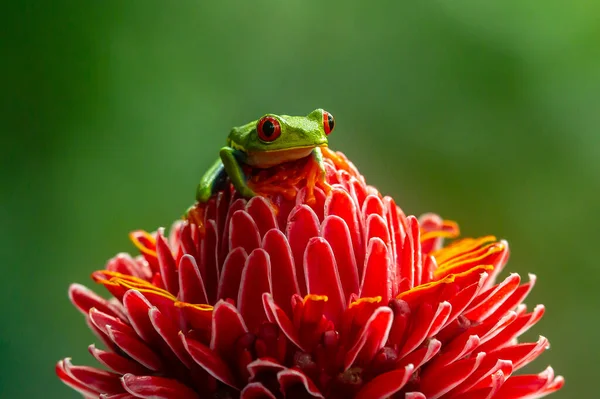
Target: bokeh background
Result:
[483, 111]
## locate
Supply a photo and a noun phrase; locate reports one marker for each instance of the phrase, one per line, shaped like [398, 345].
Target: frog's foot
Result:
[339, 161]
[195, 215]
[315, 176]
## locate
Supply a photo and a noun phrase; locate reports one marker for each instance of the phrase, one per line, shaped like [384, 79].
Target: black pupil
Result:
[330, 121]
[268, 128]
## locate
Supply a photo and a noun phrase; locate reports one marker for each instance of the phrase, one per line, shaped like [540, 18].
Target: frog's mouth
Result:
[267, 159]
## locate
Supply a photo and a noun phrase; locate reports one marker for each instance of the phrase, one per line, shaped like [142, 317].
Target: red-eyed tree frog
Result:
[266, 142]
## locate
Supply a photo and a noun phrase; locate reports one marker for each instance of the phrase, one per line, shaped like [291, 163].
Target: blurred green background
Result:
[483, 111]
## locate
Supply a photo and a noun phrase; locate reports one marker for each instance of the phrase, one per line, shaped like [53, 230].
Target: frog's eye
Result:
[268, 129]
[328, 122]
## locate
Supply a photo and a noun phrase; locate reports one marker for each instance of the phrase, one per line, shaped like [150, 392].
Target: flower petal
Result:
[322, 277]
[336, 232]
[293, 381]
[302, 225]
[377, 277]
[191, 285]
[255, 281]
[151, 387]
[209, 360]
[256, 390]
[284, 283]
[386, 384]
[231, 274]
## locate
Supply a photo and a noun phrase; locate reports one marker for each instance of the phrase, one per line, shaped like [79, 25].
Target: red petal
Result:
[386, 384]
[296, 382]
[530, 386]
[72, 382]
[243, 232]
[157, 388]
[117, 363]
[422, 355]
[434, 385]
[302, 225]
[137, 307]
[227, 327]
[322, 278]
[339, 203]
[209, 360]
[231, 275]
[166, 263]
[336, 232]
[516, 328]
[283, 273]
[372, 338]
[276, 315]
[261, 211]
[255, 281]
[135, 348]
[84, 299]
[256, 390]
[377, 278]
[487, 302]
[170, 334]
[521, 354]
[190, 281]
[515, 299]
[208, 260]
[259, 367]
[99, 381]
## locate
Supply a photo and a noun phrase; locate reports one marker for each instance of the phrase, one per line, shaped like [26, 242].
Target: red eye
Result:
[268, 129]
[328, 122]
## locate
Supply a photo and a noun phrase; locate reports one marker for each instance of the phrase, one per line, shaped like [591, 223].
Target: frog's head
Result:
[274, 139]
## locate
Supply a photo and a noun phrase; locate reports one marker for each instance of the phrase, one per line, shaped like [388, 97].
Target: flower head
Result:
[313, 289]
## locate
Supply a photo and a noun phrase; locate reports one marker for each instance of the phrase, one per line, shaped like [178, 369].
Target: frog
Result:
[264, 143]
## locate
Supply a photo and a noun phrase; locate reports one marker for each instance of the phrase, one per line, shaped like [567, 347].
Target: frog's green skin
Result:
[301, 136]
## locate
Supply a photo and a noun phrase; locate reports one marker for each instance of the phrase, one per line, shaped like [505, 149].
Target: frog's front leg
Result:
[230, 160]
[209, 182]
[318, 157]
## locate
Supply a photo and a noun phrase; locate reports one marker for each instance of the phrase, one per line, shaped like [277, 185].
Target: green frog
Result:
[266, 142]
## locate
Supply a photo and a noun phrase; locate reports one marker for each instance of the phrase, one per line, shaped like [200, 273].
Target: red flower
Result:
[312, 290]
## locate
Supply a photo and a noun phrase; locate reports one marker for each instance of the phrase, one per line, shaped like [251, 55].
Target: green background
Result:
[483, 111]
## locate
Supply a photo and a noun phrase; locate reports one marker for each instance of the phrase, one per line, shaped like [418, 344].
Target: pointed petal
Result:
[434, 385]
[190, 281]
[209, 360]
[97, 380]
[157, 388]
[372, 338]
[136, 349]
[276, 315]
[256, 390]
[487, 302]
[294, 381]
[386, 384]
[208, 260]
[137, 307]
[170, 335]
[166, 263]
[117, 363]
[84, 299]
